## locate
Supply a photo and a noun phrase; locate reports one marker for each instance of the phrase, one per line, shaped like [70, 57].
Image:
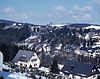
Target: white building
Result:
[1, 61]
[27, 59]
[78, 51]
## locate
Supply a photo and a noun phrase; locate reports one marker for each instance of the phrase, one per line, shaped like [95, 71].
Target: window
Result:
[21, 64]
[93, 70]
[94, 76]
[25, 65]
[22, 58]
[34, 60]
[35, 64]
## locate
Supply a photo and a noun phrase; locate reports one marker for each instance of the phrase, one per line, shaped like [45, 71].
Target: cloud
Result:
[82, 17]
[97, 2]
[60, 8]
[79, 14]
[22, 16]
[82, 14]
[25, 16]
[83, 9]
[58, 12]
[12, 14]
[55, 15]
[8, 10]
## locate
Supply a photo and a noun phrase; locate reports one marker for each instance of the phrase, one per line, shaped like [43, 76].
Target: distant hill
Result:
[9, 23]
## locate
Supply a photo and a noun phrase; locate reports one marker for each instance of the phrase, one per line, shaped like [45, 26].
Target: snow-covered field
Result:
[10, 75]
[14, 75]
[92, 26]
[19, 75]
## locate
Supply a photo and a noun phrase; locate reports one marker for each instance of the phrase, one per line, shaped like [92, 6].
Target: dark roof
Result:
[83, 48]
[87, 49]
[23, 54]
[77, 68]
[91, 49]
[97, 48]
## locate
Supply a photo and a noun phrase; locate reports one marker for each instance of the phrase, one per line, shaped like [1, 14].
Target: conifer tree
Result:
[54, 67]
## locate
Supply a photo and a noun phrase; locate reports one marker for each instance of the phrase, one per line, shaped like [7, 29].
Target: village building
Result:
[90, 51]
[81, 51]
[1, 61]
[80, 70]
[27, 59]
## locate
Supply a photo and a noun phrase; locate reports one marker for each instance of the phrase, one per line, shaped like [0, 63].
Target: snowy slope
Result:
[8, 75]
[5, 67]
[58, 25]
[92, 26]
[14, 75]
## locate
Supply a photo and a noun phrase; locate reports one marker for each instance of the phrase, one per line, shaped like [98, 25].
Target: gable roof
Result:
[23, 53]
[77, 68]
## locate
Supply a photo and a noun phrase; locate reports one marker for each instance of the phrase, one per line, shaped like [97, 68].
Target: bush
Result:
[1, 77]
[98, 77]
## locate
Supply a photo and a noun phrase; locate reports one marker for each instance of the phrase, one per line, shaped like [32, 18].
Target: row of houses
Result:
[73, 69]
[93, 50]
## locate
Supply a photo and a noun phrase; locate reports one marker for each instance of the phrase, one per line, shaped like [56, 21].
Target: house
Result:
[27, 59]
[80, 70]
[81, 51]
[90, 52]
[97, 51]
[1, 61]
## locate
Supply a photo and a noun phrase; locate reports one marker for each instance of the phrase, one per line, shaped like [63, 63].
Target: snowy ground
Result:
[9, 75]
[19, 75]
[92, 26]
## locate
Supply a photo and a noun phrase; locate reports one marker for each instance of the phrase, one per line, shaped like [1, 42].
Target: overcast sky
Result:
[46, 11]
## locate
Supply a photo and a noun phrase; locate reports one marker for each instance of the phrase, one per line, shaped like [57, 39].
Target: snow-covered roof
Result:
[44, 69]
[87, 37]
[59, 46]
[14, 24]
[1, 55]
[60, 66]
[20, 53]
[96, 37]
[5, 67]
[19, 24]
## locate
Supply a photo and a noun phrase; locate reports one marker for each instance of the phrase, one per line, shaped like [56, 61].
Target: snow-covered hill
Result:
[92, 27]
[58, 25]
